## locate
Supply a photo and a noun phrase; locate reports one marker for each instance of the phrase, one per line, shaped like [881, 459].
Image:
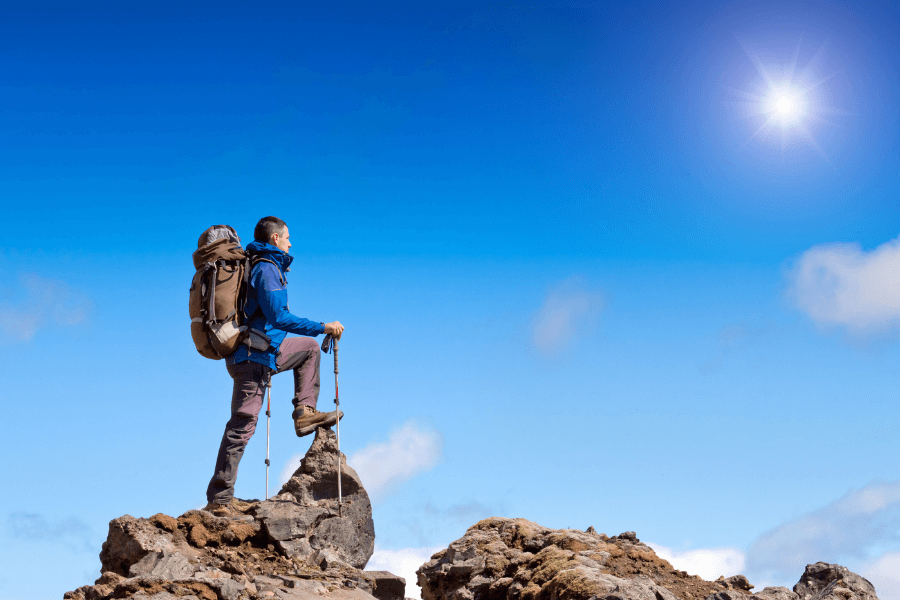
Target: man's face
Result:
[282, 241]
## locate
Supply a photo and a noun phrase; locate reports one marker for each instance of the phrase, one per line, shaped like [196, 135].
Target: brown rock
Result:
[164, 522]
[823, 581]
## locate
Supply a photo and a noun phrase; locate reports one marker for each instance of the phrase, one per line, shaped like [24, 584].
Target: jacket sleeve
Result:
[273, 302]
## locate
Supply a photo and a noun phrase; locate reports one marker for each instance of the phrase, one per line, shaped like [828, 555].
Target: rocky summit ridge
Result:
[295, 545]
[298, 545]
[515, 559]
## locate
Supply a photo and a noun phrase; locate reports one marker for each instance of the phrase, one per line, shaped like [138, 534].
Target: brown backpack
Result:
[218, 291]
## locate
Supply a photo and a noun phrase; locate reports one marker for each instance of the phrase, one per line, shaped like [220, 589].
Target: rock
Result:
[326, 559]
[164, 522]
[823, 581]
[303, 517]
[515, 559]
[225, 587]
[776, 593]
[166, 565]
[129, 540]
[738, 582]
[296, 546]
[727, 595]
[387, 586]
[520, 560]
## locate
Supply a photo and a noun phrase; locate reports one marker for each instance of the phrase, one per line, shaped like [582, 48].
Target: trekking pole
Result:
[337, 429]
[268, 429]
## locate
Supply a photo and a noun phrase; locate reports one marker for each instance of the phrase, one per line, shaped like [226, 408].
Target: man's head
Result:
[273, 230]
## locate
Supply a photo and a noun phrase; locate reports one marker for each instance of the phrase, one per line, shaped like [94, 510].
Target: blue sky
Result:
[588, 276]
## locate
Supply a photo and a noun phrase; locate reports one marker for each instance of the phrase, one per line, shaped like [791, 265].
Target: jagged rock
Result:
[299, 545]
[776, 593]
[387, 586]
[823, 581]
[516, 559]
[131, 539]
[738, 582]
[303, 517]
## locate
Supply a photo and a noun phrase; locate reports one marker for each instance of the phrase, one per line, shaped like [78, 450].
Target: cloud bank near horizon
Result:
[842, 285]
[569, 310]
[860, 530]
[859, 525]
[708, 563]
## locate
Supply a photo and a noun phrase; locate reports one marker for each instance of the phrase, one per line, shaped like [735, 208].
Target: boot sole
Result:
[326, 423]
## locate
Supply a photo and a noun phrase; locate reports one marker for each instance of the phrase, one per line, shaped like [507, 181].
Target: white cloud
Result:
[38, 302]
[404, 563]
[568, 310]
[708, 563]
[292, 464]
[884, 574]
[861, 524]
[409, 451]
[840, 284]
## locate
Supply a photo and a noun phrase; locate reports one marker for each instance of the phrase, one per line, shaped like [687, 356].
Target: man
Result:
[252, 365]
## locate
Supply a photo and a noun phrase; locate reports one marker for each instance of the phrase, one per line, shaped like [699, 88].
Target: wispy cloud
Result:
[292, 464]
[708, 563]
[409, 451]
[569, 310]
[842, 285]
[384, 466]
[884, 574]
[862, 524]
[38, 302]
[70, 531]
[404, 563]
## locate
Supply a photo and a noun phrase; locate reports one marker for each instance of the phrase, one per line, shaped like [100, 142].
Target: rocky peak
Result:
[515, 559]
[298, 544]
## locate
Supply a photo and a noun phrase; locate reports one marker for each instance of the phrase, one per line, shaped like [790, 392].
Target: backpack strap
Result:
[258, 259]
[211, 286]
[252, 262]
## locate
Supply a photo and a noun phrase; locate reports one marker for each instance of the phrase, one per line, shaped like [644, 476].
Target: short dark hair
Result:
[266, 227]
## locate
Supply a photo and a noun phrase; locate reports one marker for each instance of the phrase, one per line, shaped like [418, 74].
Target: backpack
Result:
[218, 292]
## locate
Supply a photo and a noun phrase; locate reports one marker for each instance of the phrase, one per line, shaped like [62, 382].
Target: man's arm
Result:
[273, 302]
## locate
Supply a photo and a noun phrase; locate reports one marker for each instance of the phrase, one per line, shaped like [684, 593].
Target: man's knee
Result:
[242, 426]
[307, 344]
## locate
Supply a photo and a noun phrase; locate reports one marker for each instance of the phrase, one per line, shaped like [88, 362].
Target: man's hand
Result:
[335, 329]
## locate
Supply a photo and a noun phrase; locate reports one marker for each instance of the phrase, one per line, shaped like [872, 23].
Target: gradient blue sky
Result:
[582, 282]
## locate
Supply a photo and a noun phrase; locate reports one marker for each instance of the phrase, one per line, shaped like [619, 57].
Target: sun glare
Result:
[785, 106]
[786, 99]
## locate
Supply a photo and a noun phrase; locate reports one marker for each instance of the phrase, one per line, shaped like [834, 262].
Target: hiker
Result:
[269, 320]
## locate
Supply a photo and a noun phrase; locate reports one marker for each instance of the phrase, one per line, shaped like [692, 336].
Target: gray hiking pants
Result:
[299, 354]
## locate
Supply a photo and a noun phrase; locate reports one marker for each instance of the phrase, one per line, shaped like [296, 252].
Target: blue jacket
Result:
[267, 305]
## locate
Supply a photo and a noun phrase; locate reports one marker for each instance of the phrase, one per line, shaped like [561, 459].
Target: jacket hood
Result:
[271, 252]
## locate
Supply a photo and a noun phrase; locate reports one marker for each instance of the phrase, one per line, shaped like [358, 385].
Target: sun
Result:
[786, 106]
[785, 99]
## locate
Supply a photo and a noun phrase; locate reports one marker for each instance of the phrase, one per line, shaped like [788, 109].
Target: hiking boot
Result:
[307, 419]
[228, 511]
